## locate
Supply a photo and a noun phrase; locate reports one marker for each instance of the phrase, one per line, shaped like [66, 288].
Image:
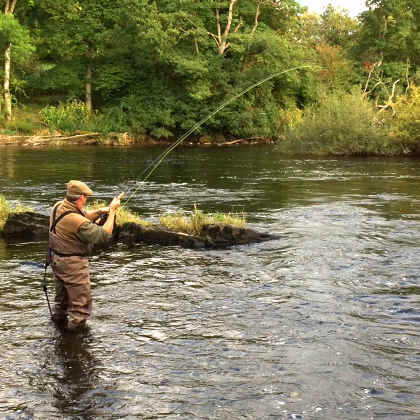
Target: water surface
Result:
[322, 323]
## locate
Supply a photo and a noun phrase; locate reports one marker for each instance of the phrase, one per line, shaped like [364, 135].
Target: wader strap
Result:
[55, 221]
[68, 255]
[52, 229]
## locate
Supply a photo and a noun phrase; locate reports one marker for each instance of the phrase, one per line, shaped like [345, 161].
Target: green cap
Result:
[78, 188]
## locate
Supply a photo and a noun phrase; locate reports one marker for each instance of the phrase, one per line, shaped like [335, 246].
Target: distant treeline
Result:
[156, 67]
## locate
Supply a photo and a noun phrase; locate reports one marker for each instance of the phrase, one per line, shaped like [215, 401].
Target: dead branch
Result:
[256, 17]
[390, 102]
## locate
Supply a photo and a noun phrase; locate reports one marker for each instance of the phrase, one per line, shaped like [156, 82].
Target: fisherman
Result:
[73, 236]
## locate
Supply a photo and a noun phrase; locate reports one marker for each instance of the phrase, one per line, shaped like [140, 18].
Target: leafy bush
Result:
[407, 120]
[341, 124]
[68, 117]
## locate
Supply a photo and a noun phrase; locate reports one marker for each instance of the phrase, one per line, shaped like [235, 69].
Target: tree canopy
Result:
[155, 67]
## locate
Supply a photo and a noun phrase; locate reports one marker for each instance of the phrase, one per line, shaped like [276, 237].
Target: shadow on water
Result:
[74, 366]
[76, 379]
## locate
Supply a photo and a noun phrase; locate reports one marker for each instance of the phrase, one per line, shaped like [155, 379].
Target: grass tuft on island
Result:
[124, 215]
[193, 224]
[6, 209]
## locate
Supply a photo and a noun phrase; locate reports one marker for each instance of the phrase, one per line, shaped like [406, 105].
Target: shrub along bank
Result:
[338, 123]
[348, 124]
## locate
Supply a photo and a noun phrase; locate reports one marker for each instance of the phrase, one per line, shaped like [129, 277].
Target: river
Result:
[322, 323]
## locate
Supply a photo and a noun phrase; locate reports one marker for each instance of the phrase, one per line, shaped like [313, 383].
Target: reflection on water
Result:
[321, 323]
[73, 366]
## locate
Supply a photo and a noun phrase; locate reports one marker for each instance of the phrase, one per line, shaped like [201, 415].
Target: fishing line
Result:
[156, 162]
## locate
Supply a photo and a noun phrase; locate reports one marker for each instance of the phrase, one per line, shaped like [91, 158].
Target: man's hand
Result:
[116, 202]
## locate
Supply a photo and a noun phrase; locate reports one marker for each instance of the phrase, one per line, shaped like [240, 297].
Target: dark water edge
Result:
[319, 324]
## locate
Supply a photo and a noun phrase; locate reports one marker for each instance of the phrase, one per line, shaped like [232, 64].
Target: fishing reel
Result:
[101, 220]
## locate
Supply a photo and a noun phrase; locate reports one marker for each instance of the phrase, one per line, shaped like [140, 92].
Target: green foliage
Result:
[158, 67]
[406, 123]
[12, 32]
[68, 117]
[341, 124]
[389, 32]
[337, 28]
[336, 71]
[6, 209]
[123, 215]
[22, 127]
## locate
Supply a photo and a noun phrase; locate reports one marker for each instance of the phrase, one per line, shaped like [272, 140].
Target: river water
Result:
[322, 323]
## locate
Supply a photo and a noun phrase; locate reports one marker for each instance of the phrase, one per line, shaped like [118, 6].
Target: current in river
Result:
[321, 323]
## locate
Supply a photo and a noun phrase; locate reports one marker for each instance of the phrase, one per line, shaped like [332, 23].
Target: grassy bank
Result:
[338, 123]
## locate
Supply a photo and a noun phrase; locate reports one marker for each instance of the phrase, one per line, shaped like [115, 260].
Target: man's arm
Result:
[100, 236]
[93, 235]
[92, 215]
[115, 203]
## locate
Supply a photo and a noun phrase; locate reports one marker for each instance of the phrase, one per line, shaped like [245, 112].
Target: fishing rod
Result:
[148, 171]
[156, 162]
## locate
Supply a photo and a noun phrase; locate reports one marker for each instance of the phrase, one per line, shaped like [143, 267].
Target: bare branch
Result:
[219, 31]
[257, 15]
[12, 8]
[238, 26]
[407, 76]
[389, 103]
[196, 47]
[230, 17]
[393, 88]
[215, 37]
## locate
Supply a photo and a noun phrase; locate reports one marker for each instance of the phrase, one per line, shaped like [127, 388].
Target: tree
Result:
[330, 37]
[12, 33]
[157, 67]
[390, 34]
[73, 38]
[337, 27]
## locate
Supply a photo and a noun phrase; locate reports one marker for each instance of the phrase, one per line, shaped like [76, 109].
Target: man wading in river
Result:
[73, 235]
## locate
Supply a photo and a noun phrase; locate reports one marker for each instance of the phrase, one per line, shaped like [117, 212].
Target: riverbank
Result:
[119, 139]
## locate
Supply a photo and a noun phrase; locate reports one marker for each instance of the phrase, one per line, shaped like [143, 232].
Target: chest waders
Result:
[50, 251]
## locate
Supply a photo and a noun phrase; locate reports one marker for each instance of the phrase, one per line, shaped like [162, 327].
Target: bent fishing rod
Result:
[148, 171]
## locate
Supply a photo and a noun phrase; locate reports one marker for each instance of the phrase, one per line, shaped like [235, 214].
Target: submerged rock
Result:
[33, 226]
